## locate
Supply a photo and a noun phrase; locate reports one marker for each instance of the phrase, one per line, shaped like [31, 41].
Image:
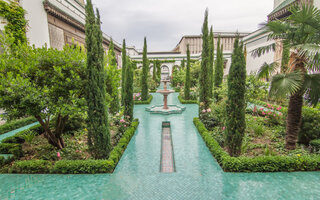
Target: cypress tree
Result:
[112, 79]
[97, 124]
[145, 71]
[183, 63]
[204, 73]
[123, 70]
[187, 79]
[211, 60]
[128, 99]
[235, 108]
[154, 71]
[218, 71]
[158, 71]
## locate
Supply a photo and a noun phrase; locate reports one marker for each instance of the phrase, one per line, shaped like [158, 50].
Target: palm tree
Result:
[266, 70]
[301, 33]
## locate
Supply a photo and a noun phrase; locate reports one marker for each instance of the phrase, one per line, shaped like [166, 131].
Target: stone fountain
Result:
[165, 108]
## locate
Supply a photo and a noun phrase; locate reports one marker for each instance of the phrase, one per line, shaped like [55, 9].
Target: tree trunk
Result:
[54, 139]
[294, 120]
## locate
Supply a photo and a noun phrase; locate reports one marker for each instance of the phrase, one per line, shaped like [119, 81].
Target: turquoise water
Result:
[137, 176]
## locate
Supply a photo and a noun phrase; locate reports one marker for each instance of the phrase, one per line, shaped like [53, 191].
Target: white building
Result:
[259, 38]
[57, 23]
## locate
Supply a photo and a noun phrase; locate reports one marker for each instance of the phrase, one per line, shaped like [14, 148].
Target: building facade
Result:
[259, 38]
[56, 23]
[195, 42]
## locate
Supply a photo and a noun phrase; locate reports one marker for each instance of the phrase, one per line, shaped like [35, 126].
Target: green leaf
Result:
[286, 84]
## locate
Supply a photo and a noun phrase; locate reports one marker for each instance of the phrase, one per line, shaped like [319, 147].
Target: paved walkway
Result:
[137, 176]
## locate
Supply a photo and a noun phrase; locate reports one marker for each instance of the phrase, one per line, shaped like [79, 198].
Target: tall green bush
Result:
[218, 71]
[187, 79]
[123, 70]
[183, 63]
[204, 73]
[211, 61]
[112, 80]
[128, 99]
[44, 83]
[236, 123]
[98, 130]
[145, 71]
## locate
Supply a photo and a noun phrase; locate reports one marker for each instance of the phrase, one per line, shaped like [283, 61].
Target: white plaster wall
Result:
[38, 31]
[254, 63]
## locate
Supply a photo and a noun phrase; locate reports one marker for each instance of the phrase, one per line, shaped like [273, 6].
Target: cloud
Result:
[164, 22]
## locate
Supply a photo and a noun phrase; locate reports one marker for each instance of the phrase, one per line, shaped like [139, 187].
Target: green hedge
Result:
[83, 167]
[19, 138]
[4, 161]
[187, 101]
[12, 125]
[78, 166]
[256, 164]
[9, 148]
[31, 167]
[148, 101]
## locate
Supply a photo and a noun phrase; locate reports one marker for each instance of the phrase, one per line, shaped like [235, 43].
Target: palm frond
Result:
[286, 84]
[312, 87]
[266, 70]
[262, 50]
[312, 54]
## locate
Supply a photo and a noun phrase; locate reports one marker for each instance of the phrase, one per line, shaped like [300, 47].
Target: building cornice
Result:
[58, 13]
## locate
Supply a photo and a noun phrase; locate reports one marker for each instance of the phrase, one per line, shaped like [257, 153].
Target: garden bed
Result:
[40, 157]
[269, 163]
[148, 101]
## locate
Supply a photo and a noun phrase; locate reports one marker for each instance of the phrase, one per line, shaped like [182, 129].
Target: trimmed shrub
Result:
[148, 101]
[183, 101]
[19, 138]
[256, 164]
[31, 167]
[69, 166]
[8, 148]
[83, 166]
[12, 125]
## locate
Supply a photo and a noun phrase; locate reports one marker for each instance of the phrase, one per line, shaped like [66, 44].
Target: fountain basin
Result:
[172, 109]
[165, 92]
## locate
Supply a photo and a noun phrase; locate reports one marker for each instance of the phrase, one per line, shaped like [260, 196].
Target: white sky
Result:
[164, 22]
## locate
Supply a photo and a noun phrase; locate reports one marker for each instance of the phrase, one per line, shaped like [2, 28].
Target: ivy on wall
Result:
[17, 24]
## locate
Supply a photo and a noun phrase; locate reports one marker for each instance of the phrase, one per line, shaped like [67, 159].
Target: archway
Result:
[165, 72]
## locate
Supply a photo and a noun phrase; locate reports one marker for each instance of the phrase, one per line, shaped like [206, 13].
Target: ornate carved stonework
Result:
[56, 37]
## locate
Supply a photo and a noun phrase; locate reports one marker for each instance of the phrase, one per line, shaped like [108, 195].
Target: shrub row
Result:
[148, 101]
[12, 145]
[183, 101]
[78, 166]
[15, 124]
[256, 164]
[19, 138]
